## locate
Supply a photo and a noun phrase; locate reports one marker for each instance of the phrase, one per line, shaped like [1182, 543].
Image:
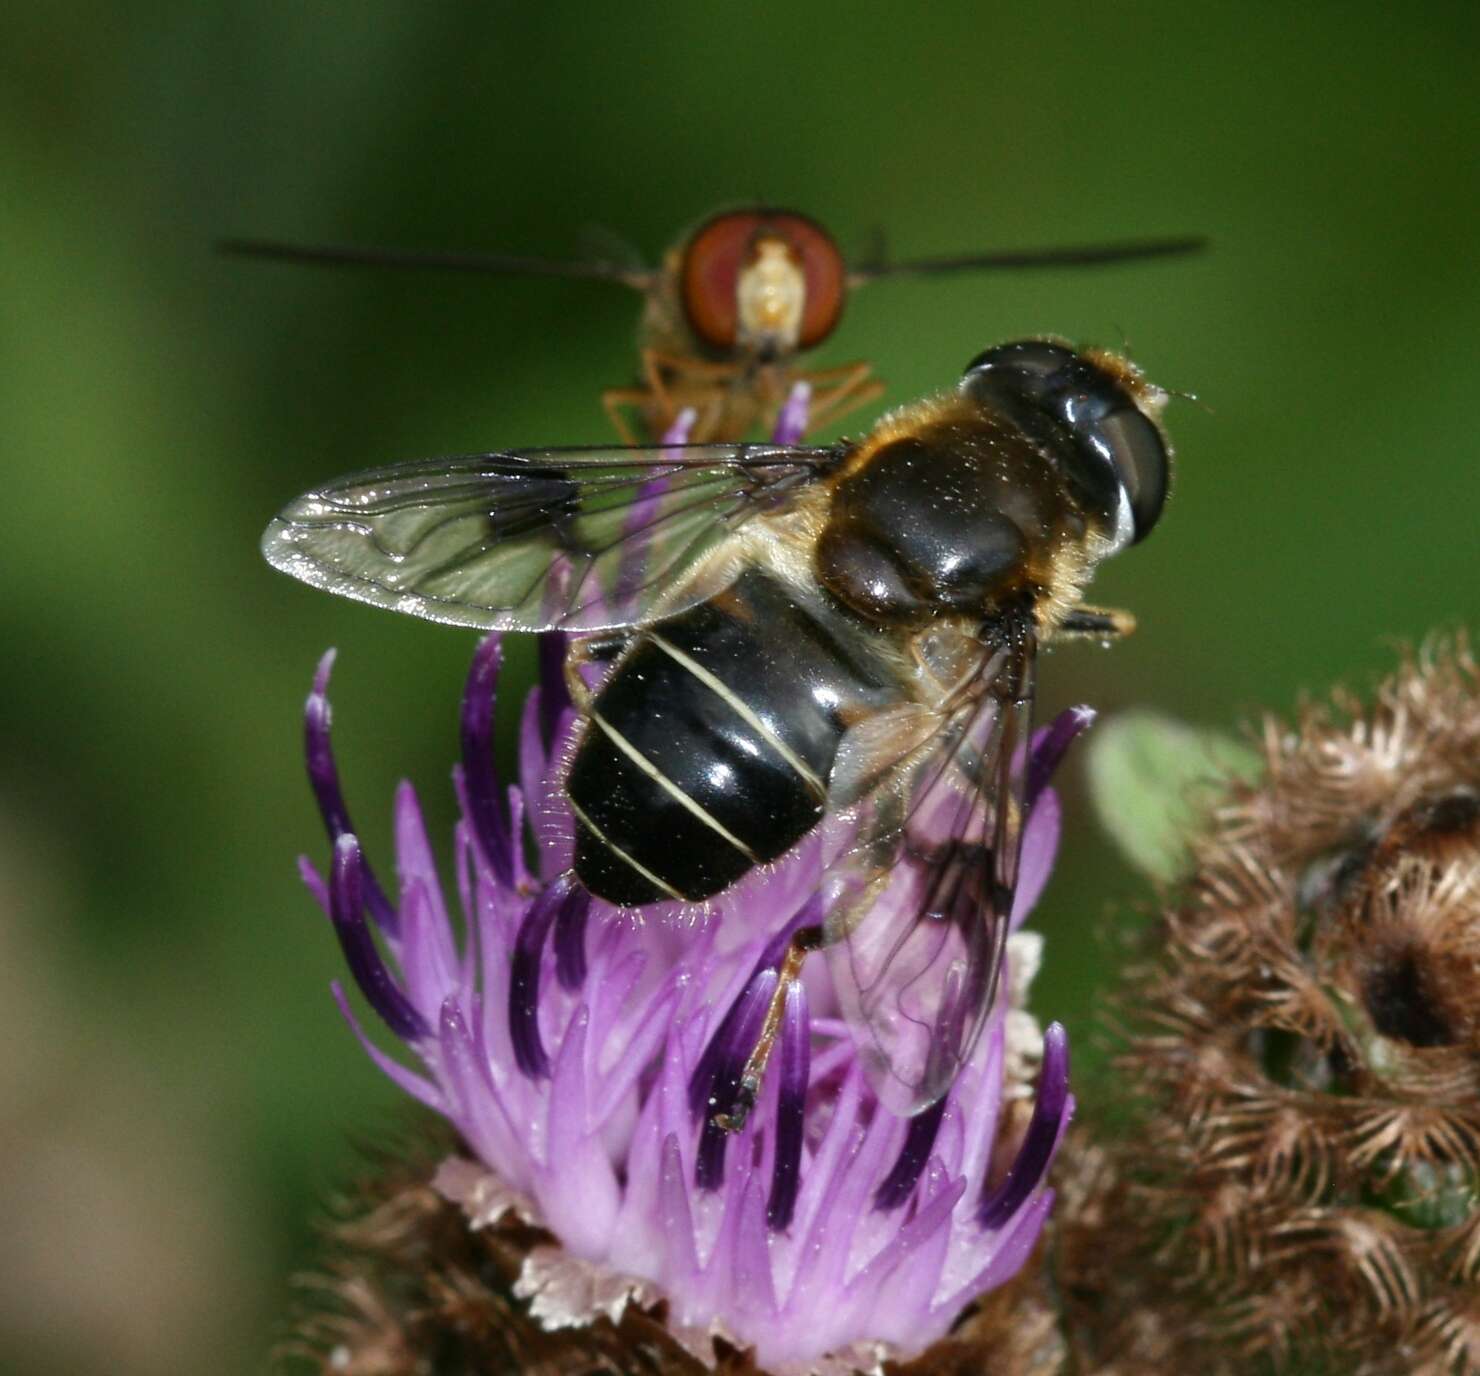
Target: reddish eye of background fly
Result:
[718, 249]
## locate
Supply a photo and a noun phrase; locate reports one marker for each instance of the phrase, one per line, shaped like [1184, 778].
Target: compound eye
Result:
[1112, 445]
[826, 276]
[709, 273]
[1140, 456]
[708, 277]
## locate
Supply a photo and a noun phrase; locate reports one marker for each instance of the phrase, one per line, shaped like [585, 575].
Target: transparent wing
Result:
[920, 901]
[540, 539]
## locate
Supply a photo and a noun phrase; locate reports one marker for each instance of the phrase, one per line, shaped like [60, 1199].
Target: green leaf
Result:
[1152, 779]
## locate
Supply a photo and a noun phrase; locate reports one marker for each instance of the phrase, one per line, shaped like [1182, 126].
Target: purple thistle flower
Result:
[584, 1053]
[581, 1052]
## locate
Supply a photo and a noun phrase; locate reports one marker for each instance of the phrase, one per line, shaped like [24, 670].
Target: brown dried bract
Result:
[1298, 1181]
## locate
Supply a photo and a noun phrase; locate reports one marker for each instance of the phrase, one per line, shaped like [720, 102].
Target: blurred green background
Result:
[176, 1090]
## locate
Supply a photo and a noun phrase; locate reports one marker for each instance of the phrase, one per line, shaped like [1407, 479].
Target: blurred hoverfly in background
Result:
[728, 314]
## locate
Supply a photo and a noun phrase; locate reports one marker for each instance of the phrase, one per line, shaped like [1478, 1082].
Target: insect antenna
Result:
[435, 260]
[1072, 256]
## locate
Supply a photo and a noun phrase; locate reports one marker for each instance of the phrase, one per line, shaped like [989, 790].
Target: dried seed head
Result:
[1302, 1180]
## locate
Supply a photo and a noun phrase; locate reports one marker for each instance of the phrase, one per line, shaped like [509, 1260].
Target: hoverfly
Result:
[727, 314]
[797, 633]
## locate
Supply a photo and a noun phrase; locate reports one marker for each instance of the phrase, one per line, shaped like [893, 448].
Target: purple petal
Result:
[568, 1110]
[1040, 847]
[677, 1218]
[1049, 746]
[480, 778]
[347, 911]
[919, 1139]
[907, 1272]
[1036, 1153]
[460, 1066]
[637, 528]
[323, 778]
[313, 881]
[750, 1256]
[793, 1072]
[570, 939]
[524, 975]
[932, 1218]
[408, 1080]
[554, 697]
[424, 949]
[827, 1211]
[682, 427]
[1011, 1248]
[701, 1082]
[791, 421]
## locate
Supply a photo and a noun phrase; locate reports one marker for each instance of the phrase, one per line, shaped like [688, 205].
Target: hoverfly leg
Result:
[804, 941]
[1098, 623]
[652, 372]
[655, 361]
[677, 380]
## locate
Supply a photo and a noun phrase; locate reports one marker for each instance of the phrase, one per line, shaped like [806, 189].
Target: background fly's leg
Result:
[838, 392]
[612, 402]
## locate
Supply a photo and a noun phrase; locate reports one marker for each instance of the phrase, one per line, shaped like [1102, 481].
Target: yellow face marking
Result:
[771, 295]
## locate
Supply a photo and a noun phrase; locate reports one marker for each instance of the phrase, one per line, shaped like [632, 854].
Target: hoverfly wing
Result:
[920, 900]
[539, 539]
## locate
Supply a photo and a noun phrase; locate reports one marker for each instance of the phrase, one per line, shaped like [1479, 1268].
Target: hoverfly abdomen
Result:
[708, 750]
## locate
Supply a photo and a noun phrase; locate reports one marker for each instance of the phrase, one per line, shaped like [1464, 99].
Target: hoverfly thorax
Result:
[935, 520]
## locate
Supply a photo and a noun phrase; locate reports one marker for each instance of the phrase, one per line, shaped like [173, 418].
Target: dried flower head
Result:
[582, 1054]
[1301, 1178]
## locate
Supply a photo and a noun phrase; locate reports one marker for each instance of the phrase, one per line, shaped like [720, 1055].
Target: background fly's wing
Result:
[541, 539]
[920, 899]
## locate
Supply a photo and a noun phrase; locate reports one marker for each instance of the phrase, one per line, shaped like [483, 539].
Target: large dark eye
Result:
[1106, 443]
[1140, 455]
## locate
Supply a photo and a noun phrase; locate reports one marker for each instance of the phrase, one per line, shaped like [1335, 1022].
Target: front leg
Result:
[1098, 623]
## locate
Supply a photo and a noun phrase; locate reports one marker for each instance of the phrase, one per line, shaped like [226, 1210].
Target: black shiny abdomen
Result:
[802, 671]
